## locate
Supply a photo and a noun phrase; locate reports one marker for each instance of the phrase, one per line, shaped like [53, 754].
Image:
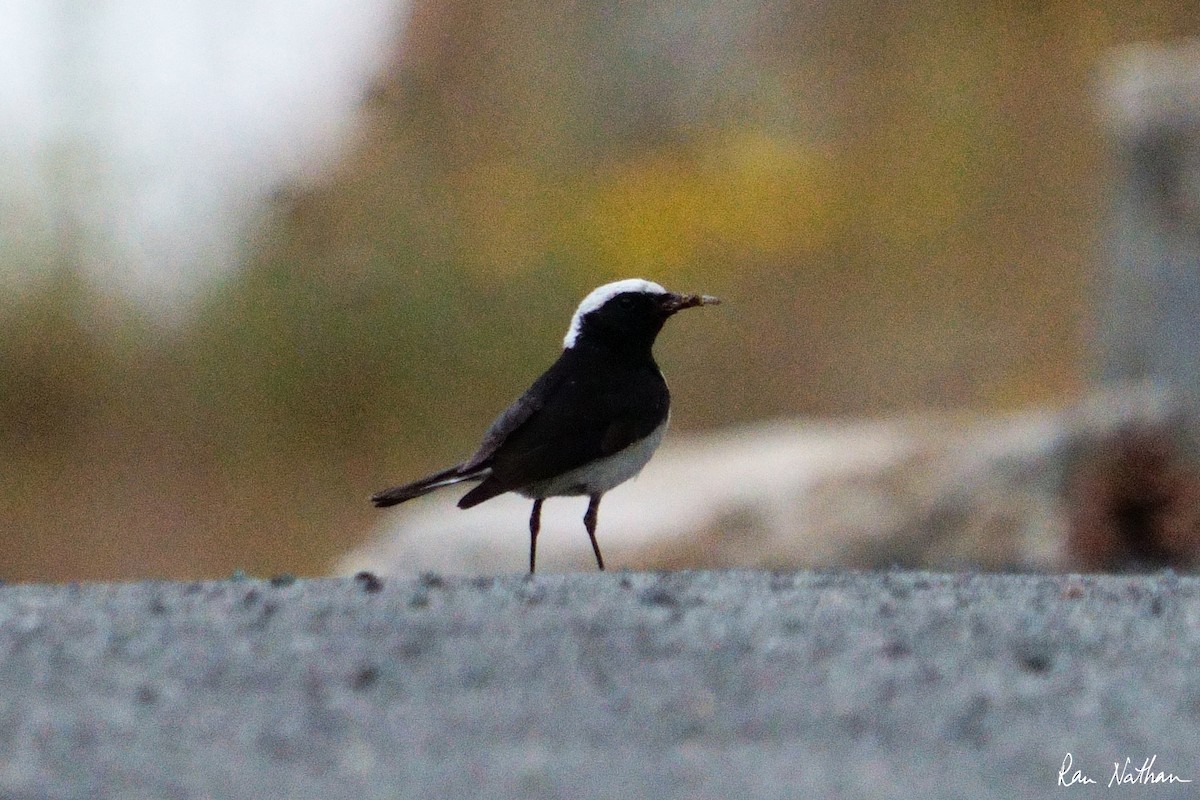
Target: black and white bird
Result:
[588, 424]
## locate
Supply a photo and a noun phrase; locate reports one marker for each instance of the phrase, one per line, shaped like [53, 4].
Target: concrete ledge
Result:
[689, 684]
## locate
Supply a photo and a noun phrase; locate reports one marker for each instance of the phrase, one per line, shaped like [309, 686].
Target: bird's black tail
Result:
[399, 494]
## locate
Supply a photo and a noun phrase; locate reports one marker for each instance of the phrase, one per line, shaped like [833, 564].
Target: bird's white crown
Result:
[601, 295]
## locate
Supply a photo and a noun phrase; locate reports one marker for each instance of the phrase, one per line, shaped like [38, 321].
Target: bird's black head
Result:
[627, 315]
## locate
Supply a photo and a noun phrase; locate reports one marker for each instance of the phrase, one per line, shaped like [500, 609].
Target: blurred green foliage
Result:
[901, 203]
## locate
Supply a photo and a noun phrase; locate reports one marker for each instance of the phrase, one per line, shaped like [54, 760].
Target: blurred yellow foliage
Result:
[506, 205]
[746, 195]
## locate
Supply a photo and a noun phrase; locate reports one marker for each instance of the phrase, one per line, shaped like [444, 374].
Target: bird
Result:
[588, 424]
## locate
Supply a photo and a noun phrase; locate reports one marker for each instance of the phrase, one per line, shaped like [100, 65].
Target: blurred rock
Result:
[1098, 485]
[1145, 322]
[1134, 503]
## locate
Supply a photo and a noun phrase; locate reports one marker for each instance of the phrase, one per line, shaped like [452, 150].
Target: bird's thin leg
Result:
[589, 522]
[535, 524]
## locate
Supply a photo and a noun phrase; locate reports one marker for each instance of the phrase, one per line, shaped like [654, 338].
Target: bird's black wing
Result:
[478, 466]
[516, 415]
[581, 418]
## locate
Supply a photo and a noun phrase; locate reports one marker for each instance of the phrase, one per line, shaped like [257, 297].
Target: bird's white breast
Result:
[597, 477]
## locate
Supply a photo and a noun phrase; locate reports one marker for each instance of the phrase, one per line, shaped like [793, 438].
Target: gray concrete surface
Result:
[671, 685]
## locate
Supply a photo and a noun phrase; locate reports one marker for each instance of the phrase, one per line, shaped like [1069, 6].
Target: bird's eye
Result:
[626, 301]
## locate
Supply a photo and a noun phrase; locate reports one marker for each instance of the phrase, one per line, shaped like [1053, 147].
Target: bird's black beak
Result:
[677, 302]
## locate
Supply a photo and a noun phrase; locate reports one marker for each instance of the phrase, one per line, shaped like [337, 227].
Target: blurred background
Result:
[261, 260]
